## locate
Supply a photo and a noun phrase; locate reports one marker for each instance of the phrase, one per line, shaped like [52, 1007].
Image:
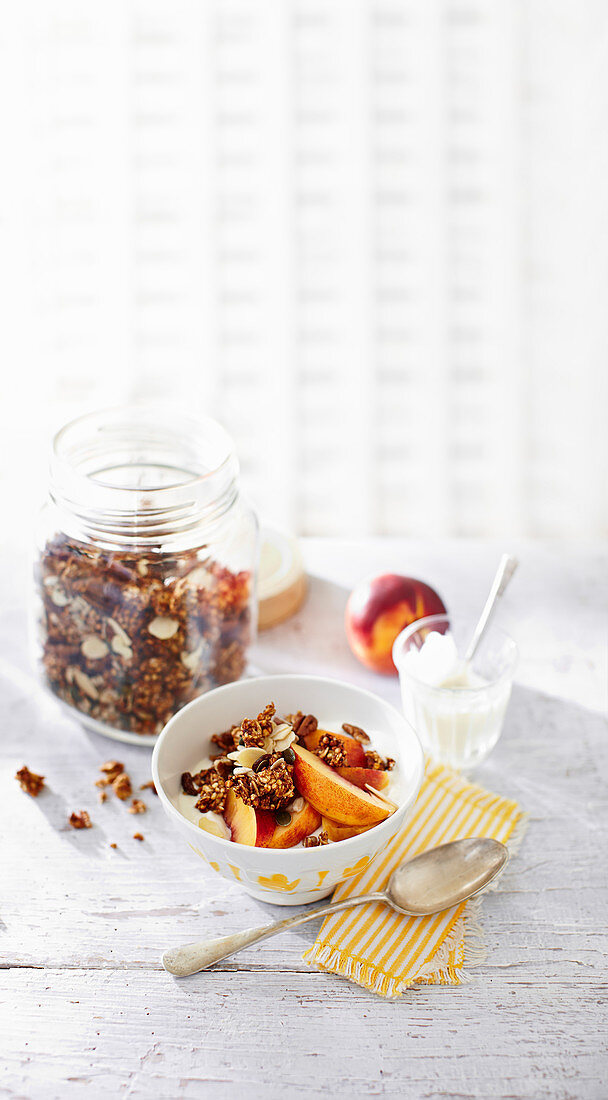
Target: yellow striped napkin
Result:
[385, 952]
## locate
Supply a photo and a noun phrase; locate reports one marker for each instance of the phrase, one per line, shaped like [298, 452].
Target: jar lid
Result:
[281, 577]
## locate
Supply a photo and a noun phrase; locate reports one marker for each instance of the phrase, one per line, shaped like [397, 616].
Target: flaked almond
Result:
[297, 805]
[200, 577]
[94, 648]
[57, 592]
[246, 758]
[142, 567]
[118, 630]
[84, 682]
[282, 743]
[163, 628]
[121, 649]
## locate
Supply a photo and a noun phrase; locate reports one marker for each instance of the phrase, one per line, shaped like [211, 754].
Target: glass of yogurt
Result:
[456, 709]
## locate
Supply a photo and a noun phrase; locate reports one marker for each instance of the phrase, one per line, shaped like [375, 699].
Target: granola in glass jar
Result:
[138, 610]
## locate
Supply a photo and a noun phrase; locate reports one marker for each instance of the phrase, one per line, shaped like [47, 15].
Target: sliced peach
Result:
[302, 824]
[333, 795]
[213, 827]
[336, 831]
[365, 777]
[355, 753]
[241, 820]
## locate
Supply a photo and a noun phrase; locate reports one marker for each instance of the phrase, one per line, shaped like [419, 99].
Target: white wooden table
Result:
[86, 1009]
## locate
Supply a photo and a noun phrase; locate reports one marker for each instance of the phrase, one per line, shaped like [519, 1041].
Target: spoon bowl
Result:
[429, 883]
[445, 876]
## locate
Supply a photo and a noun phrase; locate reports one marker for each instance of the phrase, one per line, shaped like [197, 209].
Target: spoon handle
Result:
[192, 957]
[506, 569]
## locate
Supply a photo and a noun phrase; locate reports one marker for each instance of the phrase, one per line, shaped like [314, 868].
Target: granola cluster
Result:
[209, 788]
[270, 787]
[29, 782]
[331, 750]
[252, 732]
[128, 639]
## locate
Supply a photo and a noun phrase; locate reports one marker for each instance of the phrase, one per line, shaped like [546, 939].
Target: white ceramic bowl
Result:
[294, 875]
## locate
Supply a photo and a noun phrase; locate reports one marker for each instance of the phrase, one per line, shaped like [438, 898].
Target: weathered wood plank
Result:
[278, 1035]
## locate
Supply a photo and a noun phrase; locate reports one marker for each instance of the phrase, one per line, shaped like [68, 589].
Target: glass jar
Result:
[145, 568]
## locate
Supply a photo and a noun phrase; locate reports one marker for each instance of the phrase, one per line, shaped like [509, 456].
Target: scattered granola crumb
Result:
[29, 782]
[112, 768]
[122, 786]
[138, 836]
[80, 820]
[103, 796]
[356, 732]
[113, 845]
[149, 786]
[137, 806]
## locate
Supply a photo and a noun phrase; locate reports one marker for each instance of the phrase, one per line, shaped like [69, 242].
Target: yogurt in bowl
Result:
[286, 876]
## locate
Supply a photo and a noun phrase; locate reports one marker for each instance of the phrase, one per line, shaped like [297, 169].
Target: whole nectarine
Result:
[378, 610]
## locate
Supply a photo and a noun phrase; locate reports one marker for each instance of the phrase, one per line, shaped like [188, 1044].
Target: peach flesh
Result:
[334, 796]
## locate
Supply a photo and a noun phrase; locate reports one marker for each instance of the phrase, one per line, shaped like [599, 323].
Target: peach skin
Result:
[365, 777]
[378, 610]
[302, 824]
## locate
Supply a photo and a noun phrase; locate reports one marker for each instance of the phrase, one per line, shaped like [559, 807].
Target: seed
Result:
[261, 763]
[282, 817]
[289, 756]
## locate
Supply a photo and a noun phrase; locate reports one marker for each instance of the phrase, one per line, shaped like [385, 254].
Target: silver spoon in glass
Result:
[429, 883]
[506, 568]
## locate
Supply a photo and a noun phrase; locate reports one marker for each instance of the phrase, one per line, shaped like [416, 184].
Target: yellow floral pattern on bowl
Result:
[359, 866]
[278, 882]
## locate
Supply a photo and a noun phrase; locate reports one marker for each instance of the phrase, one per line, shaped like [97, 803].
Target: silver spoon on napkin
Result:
[429, 883]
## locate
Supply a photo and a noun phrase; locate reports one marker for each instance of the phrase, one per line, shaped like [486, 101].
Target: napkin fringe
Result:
[518, 833]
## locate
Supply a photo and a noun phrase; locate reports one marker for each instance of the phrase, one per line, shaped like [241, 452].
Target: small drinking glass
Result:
[458, 726]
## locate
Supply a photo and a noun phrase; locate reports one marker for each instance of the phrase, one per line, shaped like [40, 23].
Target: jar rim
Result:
[143, 471]
[139, 411]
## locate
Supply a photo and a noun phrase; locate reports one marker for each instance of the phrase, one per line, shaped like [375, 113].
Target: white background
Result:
[370, 236]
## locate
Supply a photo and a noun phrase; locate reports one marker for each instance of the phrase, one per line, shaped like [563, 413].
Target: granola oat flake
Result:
[145, 571]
